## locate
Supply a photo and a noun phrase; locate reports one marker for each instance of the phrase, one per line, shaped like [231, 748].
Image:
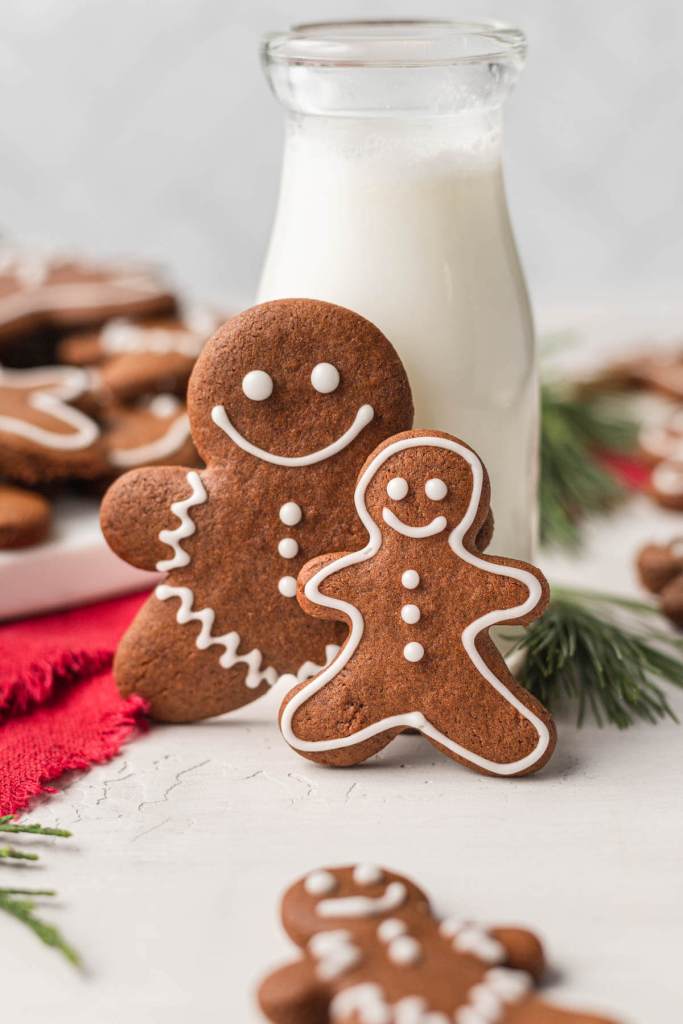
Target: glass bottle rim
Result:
[401, 43]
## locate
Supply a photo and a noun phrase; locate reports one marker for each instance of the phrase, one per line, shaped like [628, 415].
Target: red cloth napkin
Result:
[59, 707]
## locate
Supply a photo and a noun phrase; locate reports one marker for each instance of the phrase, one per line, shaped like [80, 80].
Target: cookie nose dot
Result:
[290, 513]
[413, 652]
[325, 378]
[397, 488]
[287, 586]
[410, 579]
[435, 489]
[257, 385]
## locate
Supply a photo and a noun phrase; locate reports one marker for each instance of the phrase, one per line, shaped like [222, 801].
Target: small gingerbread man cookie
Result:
[373, 953]
[420, 599]
[285, 403]
[44, 436]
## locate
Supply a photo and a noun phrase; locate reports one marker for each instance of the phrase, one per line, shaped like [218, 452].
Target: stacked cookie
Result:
[94, 364]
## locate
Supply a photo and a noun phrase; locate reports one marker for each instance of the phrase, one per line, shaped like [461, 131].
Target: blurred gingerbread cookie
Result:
[373, 952]
[153, 432]
[25, 517]
[44, 433]
[660, 567]
[40, 293]
[141, 358]
[662, 447]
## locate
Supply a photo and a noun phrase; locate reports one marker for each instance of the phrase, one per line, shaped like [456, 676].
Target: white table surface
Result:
[184, 843]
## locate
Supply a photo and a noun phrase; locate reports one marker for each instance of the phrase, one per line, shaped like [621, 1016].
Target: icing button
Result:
[290, 513]
[413, 652]
[410, 579]
[288, 548]
[287, 586]
[411, 614]
[404, 950]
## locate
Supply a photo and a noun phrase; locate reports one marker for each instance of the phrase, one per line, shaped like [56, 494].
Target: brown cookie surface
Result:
[25, 517]
[285, 403]
[44, 435]
[38, 292]
[660, 567]
[372, 952]
[419, 599]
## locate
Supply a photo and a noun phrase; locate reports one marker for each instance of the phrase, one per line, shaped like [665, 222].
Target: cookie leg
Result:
[535, 1011]
[159, 659]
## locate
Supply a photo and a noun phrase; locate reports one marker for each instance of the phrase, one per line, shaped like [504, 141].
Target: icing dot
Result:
[410, 579]
[411, 614]
[367, 874]
[404, 950]
[290, 513]
[325, 378]
[508, 983]
[288, 548]
[390, 929]
[435, 489]
[413, 652]
[397, 488]
[287, 586]
[320, 883]
[257, 385]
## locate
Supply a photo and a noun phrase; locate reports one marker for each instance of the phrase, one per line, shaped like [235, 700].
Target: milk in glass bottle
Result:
[392, 204]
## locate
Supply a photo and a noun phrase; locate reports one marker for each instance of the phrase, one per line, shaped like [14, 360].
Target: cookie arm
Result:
[523, 949]
[335, 585]
[137, 507]
[293, 994]
[515, 592]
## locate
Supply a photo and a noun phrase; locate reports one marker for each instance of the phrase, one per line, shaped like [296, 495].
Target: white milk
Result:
[408, 225]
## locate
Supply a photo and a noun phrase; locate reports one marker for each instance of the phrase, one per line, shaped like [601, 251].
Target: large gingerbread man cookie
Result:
[285, 403]
[420, 599]
[373, 953]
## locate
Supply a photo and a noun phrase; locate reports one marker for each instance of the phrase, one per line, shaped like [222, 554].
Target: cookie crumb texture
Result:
[283, 438]
[25, 517]
[372, 952]
[420, 599]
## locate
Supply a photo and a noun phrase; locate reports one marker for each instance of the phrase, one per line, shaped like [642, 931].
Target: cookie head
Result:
[295, 383]
[360, 896]
[421, 485]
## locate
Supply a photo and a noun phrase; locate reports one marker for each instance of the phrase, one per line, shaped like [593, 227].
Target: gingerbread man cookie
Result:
[420, 600]
[38, 292]
[44, 436]
[373, 953]
[285, 403]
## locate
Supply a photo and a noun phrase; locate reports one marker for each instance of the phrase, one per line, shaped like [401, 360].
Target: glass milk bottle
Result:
[392, 203]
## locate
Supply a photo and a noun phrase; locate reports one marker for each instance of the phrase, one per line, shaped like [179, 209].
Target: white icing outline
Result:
[437, 525]
[364, 416]
[393, 897]
[176, 435]
[187, 527]
[415, 719]
[52, 403]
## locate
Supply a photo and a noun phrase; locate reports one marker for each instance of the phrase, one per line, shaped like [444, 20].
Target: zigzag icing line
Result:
[205, 638]
[186, 528]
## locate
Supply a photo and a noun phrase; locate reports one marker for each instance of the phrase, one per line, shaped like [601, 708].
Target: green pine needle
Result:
[24, 910]
[594, 651]
[573, 483]
[13, 901]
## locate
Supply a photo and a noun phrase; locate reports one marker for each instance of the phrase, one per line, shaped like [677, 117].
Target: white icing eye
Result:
[257, 385]
[435, 489]
[320, 883]
[397, 488]
[367, 874]
[325, 378]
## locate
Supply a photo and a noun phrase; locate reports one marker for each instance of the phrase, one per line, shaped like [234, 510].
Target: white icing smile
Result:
[437, 525]
[364, 906]
[364, 416]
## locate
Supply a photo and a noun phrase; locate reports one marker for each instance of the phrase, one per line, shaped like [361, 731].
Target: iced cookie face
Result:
[422, 486]
[294, 383]
[352, 897]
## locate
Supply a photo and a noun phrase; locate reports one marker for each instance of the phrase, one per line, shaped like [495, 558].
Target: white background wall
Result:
[147, 127]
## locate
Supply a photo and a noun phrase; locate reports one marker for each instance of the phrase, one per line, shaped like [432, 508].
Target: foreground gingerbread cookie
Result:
[374, 953]
[420, 599]
[285, 403]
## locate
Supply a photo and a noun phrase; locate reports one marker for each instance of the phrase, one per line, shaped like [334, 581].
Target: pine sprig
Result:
[597, 652]
[15, 902]
[574, 484]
